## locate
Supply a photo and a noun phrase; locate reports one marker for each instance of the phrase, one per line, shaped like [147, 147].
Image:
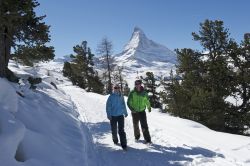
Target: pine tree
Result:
[238, 117]
[166, 95]
[80, 71]
[19, 26]
[175, 97]
[150, 86]
[96, 84]
[206, 78]
[28, 55]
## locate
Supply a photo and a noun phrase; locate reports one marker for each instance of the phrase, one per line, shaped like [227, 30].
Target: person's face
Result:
[116, 89]
[138, 86]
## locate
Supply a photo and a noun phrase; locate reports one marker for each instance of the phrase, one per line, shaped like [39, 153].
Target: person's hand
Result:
[126, 115]
[149, 110]
[110, 117]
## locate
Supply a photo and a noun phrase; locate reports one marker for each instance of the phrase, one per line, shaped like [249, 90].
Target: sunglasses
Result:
[137, 83]
[116, 87]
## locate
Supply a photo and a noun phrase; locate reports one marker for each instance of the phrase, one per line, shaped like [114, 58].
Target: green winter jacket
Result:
[138, 101]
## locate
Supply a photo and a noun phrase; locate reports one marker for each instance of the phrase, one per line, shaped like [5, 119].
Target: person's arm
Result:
[130, 96]
[108, 107]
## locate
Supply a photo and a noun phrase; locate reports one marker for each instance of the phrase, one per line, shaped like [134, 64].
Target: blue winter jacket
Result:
[115, 105]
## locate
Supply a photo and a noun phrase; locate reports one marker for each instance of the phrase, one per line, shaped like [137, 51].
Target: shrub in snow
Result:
[34, 81]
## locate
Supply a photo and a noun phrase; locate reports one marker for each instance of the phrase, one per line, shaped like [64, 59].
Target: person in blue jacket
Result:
[116, 110]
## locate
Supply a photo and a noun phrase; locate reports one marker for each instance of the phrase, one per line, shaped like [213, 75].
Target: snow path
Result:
[176, 141]
[170, 147]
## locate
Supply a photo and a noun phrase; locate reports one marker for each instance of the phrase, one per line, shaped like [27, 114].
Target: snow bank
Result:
[8, 96]
[11, 134]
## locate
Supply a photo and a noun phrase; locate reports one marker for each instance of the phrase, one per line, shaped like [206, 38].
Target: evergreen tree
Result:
[67, 71]
[28, 55]
[238, 117]
[166, 95]
[175, 97]
[80, 71]
[209, 77]
[150, 86]
[96, 84]
[19, 26]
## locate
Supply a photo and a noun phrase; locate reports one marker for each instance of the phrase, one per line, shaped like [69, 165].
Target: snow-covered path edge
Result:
[90, 152]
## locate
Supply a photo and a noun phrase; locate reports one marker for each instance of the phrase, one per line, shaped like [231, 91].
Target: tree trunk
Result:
[2, 56]
[121, 80]
[109, 76]
[5, 46]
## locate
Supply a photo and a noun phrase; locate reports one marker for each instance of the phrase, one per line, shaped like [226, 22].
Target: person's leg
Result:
[144, 126]
[113, 123]
[121, 132]
[136, 118]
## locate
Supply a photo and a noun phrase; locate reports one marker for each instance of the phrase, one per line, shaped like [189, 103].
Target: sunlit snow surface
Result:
[68, 127]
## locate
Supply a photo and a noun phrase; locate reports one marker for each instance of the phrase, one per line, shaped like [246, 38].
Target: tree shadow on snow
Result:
[158, 155]
[99, 129]
[154, 154]
[175, 155]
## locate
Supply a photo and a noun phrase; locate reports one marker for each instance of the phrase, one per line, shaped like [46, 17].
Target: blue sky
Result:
[168, 22]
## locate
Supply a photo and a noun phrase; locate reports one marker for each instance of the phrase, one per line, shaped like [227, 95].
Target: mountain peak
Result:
[138, 30]
[144, 51]
[138, 39]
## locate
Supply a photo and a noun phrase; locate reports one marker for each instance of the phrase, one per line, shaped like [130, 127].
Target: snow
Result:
[7, 94]
[68, 126]
[143, 52]
[235, 100]
[142, 55]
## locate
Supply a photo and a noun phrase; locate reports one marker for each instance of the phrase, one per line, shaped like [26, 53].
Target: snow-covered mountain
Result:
[141, 55]
[143, 52]
[67, 126]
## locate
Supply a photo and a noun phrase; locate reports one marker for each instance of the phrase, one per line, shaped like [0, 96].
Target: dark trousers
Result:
[118, 120]
[142, 118]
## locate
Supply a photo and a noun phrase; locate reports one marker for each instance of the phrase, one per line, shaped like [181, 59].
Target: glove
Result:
[126, 115]
[149, 109]
[110, 117]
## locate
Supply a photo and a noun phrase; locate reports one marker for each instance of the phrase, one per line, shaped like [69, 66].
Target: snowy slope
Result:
[42, 128]
[68, 126]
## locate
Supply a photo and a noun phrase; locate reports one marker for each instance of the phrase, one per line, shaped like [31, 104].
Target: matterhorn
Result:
[141, 52]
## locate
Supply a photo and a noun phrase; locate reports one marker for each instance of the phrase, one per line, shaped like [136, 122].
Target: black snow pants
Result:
[142, 118]
[118, 120]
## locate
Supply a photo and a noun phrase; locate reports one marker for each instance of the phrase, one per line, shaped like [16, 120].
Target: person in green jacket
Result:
[137, 102]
